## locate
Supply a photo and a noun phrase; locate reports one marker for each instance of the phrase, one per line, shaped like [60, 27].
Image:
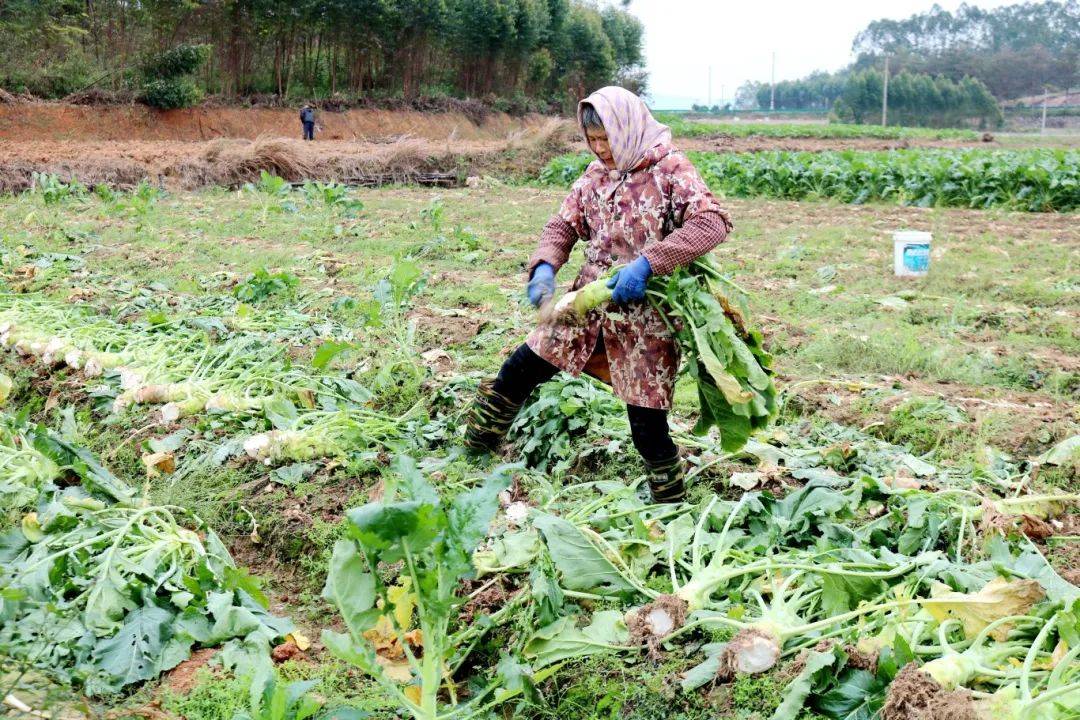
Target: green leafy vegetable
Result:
[435, 542]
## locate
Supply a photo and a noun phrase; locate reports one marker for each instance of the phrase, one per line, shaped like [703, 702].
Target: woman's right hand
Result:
[541, 287]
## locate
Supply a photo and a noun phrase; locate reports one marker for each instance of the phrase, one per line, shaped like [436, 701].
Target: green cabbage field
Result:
[1028, 180]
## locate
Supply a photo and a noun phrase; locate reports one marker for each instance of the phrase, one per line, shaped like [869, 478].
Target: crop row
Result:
[681, 127]
[1027, 180]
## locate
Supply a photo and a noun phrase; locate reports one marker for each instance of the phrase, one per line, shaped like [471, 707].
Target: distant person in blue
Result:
[307, 119]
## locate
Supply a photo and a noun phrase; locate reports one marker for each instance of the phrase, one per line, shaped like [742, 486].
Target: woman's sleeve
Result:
[701, 224]
[561, 232]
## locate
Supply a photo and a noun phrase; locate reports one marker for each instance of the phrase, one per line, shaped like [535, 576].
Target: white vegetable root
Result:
[650, 624]
[751, 651]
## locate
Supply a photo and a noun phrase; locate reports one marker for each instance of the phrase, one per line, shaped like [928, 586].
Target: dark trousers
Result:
[309, 130]
[524, 370]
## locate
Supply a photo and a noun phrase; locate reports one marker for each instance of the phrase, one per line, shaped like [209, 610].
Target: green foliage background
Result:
[518, 49]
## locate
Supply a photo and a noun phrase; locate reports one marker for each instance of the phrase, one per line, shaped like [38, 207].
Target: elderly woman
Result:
[640, 205]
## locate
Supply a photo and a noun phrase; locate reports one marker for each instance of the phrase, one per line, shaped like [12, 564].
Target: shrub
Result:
[180, 60]
[166, 81]
[171, 93]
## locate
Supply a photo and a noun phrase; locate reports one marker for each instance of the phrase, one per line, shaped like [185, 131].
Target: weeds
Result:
[262, 285]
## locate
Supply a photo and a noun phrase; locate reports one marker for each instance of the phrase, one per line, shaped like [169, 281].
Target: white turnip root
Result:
[96, 363]
[573, 306]
[752, 650]
[173, 411]
[650, 624]
[231, 402]
[131, 378]
[293, 445]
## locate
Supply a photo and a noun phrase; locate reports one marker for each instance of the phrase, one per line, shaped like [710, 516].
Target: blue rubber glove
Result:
[629, 282]
[541, 287]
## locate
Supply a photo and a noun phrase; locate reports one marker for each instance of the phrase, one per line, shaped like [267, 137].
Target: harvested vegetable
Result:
[24, 470]
[723, 353]
[101, 591]
[326, 434]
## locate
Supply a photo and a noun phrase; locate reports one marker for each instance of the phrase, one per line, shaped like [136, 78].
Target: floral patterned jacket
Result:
[661, 209]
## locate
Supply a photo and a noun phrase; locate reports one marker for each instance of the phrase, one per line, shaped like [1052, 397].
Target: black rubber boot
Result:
[666, 480]
[489, 420]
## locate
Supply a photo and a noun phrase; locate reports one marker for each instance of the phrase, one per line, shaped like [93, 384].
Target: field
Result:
[190, 149]
[682, 127]
[1033, 180]
[369, 315]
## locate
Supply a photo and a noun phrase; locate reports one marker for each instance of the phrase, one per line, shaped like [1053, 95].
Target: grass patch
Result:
[684, 127]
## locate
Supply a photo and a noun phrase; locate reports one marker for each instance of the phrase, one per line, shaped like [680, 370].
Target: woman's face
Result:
[598, 141]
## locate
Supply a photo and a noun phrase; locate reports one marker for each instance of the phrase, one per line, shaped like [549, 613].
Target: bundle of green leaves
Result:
[100, 590]
[708, 316]
[722, 352]
[568, 422]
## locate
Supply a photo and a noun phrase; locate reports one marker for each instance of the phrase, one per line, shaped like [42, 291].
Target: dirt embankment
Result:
[184, 149]
[59, 122]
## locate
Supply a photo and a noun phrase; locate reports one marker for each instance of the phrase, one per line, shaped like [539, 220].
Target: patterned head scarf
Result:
[631, 129]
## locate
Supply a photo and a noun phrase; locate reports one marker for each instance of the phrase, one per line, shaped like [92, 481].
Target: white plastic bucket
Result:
[911, 253]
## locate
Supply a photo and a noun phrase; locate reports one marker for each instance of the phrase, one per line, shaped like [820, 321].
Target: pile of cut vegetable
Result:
[101, 588]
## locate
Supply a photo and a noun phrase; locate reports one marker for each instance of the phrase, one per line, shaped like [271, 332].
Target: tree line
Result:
[1016, 50]
[545, 49]
[944, 67]
[915, 99]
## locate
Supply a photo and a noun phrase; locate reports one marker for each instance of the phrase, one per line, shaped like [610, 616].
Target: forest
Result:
[1015, 50]
[915, 99]
[938, 58]
[543, 49]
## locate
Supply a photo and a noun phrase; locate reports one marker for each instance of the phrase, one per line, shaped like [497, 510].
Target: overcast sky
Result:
[684, 37]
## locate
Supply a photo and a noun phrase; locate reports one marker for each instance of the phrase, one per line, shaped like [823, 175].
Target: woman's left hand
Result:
[629, 283]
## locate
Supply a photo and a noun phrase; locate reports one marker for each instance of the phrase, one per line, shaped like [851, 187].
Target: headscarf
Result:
[631, 129]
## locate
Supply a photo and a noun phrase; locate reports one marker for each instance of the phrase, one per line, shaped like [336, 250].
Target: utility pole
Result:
[772, 84]
[710, 86]
[885, 94]
[1046, 94]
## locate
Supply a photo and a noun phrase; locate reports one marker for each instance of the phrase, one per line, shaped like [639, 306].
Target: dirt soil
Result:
[59, 121]
[122, 145]
[182, 678]
[185, 165]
